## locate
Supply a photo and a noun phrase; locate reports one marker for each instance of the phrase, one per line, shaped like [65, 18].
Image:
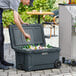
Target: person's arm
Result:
[18, 23]
[21, 21]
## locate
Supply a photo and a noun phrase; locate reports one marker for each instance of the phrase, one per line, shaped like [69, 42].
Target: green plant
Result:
[64, 2]
[51, 3]
[46, 5]
[48, 18]
[37, 4]
[7, 18]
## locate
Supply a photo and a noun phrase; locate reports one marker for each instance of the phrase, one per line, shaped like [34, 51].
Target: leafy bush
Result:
[7, 18]
[46, 5]
[48, 18]
[51, 3]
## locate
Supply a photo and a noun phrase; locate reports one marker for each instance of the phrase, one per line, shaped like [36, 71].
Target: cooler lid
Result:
[35, 31]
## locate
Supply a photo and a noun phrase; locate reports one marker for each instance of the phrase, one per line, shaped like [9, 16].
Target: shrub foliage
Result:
[46, 5]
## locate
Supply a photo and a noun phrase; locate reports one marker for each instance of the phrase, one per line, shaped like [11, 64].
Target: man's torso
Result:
[9, 4]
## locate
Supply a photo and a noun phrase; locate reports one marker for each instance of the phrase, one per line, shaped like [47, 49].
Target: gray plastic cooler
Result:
[27, 59]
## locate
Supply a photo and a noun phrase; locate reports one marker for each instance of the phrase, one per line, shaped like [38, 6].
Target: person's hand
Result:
[27, 36]
[26, 23]
[27, 2]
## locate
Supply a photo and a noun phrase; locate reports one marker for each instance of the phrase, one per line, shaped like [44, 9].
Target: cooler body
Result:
[37, 60]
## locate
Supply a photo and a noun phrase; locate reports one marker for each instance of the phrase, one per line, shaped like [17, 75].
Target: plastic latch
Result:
[46, 53]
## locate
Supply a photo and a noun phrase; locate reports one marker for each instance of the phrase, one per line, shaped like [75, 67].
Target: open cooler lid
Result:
[35, 30]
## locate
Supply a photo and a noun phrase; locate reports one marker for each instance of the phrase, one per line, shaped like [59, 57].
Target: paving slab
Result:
[26, 74]
[3, 74]
[73, 73]
[47, 71]
[67, 74]
[56, 71]
[59, 75]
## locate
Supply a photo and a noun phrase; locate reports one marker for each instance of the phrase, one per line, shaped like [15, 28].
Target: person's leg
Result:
[2, 43]
[1, 37]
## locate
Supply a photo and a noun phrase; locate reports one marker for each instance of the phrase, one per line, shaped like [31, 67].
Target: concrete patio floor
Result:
[65, 70]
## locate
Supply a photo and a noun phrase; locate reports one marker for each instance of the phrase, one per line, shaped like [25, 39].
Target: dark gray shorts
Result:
[1, 11]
